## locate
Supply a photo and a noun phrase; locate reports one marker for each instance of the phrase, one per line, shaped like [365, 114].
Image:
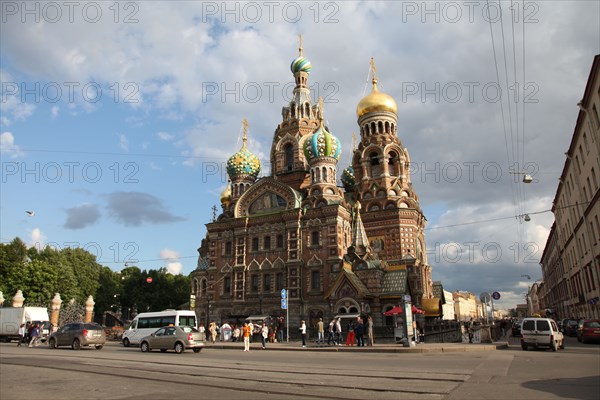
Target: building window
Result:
[267, 283]
[280, 241]
[267, 242]
[315, 282]
[254, 244]
[289, 156]
[314, 238]
[255, 283]
[228, 248]
[279, 281]
[227, 285]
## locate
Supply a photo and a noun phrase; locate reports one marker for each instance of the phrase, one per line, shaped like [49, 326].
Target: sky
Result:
[117, 118]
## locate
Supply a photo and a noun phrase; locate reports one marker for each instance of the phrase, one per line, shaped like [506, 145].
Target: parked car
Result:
[541, 332]
[589, 331]
[78, 335]
[562, 324]
[178, 338]
[570, 329]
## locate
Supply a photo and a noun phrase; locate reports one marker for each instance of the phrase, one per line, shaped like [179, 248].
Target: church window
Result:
[255, 283]
[289, 156]
[293, 109]
[267, 283]
[374, 158]
[227, 285]
[315, 238]
[255, 244]
[380, 126]
[227, 248]
[324, 174]
[315, 282]
[394, 164]
[387, 127]
[203, 288]
[280, 241]
[306, 110]
[279, 281]
[267, 245]
[373, 130]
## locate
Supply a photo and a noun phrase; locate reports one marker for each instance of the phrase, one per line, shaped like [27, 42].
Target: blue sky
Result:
[132, 173]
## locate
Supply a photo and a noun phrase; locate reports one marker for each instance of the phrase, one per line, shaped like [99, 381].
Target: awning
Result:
[432, 307]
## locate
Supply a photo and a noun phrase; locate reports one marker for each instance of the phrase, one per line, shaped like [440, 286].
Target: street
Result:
[126, 373]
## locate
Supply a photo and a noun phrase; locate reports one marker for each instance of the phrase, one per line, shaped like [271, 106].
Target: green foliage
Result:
[75, 274]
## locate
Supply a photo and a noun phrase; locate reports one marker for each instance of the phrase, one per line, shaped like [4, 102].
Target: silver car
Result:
[78, 335]
[176, 338]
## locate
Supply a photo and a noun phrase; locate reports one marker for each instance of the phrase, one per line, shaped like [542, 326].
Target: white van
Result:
[147, 323]
[541, 332]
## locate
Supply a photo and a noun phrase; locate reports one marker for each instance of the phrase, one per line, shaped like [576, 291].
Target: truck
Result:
[12, 317]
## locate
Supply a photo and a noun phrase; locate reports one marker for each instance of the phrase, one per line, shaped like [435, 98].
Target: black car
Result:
[516, 329]
[570, 329]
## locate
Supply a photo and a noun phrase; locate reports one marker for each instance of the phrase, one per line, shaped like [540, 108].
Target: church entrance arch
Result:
[347, 306]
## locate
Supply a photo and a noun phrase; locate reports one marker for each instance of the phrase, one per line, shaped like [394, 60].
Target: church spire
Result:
[360, 241]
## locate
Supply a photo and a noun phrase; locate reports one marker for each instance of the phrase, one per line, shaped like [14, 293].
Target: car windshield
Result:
[92, 327]
[592, 324]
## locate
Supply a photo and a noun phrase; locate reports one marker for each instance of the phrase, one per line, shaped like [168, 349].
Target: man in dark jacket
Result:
[359, 331]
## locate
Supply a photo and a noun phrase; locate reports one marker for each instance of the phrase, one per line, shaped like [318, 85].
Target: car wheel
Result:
[76, 345]
[163, 350]
[179, 348]
[52, 343]
[562, 344]
[197, 350]
[126, 342]
[524, 347]
[145, 347]
[583, 340]
[99, 347]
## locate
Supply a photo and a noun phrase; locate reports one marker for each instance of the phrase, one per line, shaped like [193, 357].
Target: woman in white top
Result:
[303, 333]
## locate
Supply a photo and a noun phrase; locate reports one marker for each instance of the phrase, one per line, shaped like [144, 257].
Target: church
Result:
[354, 248]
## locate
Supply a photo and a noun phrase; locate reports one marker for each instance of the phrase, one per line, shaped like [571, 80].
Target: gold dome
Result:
[376, 101]
[226, 195]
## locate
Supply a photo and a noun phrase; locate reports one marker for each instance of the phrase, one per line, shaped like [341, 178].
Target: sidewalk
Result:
[377, 348]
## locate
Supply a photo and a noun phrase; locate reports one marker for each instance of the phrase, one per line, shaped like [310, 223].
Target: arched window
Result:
[380, 126]
[375, 167]
[306, 110]
[293, 109]
[288, 151]
[393, 161]
[387, 127]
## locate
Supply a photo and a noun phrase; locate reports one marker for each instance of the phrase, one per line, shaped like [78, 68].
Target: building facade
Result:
[570, 261]
[356, 248]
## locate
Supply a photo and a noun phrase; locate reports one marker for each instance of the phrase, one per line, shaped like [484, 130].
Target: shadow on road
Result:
[569, 388]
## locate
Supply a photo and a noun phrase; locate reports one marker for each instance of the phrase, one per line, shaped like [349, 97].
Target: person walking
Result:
[246, 332]
[359, 331]
[303, 333]
[35, 332]
[369, 329]
[264, 335]
[331, 332]
[350, 337]
[21, 335]
[338, 331]
[212, 328]
[320, 333]
[280, 328]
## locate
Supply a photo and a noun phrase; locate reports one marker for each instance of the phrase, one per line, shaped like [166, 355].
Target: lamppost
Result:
[409, 261]
[208, 298]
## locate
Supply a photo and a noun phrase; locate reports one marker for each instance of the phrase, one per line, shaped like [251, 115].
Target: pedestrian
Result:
[359, 331]
[320, 333]
[350, 337]
[338, 331]
[212, 328]
[265, 335]
[251, 325]
[369, 328]
[331, 332]
[470, 329]
[202, 329]
[35, 332]
[236, 333]
[303, 333]
[21, 335]
[246, 332]
[280, 328]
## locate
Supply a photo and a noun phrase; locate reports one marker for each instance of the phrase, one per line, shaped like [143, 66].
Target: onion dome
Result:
[322, 144]
[243, 163]
[376, 100]
[348, 179]
[301, 64]
[226, 194]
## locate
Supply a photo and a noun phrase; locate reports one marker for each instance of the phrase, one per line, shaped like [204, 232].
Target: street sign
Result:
[496, 296]
[485, 297]
[284, 304]
[283, 294]
[407, 297]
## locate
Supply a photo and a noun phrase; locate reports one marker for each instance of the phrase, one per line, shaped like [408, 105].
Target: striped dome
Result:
[322, 144]
[301, 64]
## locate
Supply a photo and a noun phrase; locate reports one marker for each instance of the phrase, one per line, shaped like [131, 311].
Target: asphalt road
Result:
[116, 372]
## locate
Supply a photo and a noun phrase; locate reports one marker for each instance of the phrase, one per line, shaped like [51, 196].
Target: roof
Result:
[395, 283]
[347, 275]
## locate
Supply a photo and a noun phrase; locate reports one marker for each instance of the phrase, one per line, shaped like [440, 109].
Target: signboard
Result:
[284, 304]
[485, 297]
[407, 297]
[496, 296]
[283, 294]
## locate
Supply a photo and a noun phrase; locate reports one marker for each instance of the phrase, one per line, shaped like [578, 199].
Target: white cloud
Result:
[123, 142]
[166, 136]
[8, 146]
[37, 239]
[54, 111]
[173, 267]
